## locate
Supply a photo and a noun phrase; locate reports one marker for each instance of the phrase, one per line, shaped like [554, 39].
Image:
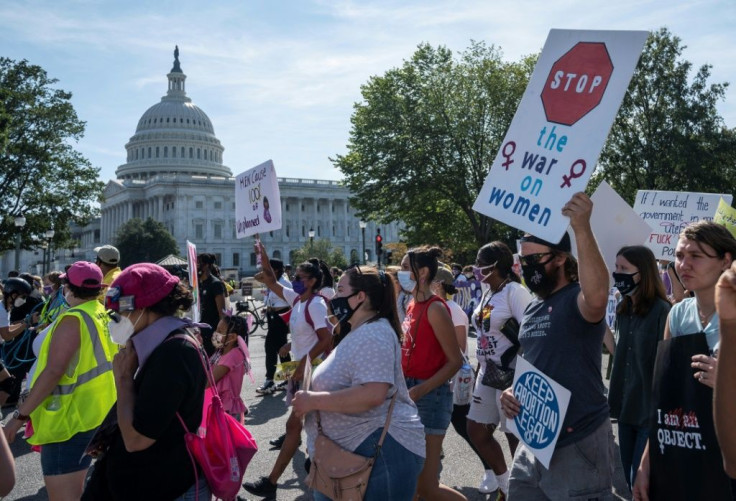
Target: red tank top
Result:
[421, 354]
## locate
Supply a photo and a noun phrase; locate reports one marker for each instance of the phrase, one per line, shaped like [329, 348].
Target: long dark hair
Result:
[379, 287]
[327, 280]
[650, 287]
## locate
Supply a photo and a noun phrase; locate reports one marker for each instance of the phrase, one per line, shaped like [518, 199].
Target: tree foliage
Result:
[424, 137]
[144, 242]
[321, 249]
[42, 176]
[668, 134]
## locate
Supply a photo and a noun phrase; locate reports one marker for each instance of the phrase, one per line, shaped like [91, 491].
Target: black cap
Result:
[563, 245]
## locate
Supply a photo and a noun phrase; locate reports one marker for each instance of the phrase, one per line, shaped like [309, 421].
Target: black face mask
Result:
[624, 282]
[342, 310]
[537, 279]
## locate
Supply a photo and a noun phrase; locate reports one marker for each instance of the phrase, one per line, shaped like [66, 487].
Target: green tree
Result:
[424, 137]
[321, 249]
[144, 242]
[668, 134]
[42, 176]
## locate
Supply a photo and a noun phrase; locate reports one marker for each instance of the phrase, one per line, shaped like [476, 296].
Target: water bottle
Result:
[464, 387]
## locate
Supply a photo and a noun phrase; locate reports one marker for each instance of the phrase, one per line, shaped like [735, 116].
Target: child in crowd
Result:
[230, 363]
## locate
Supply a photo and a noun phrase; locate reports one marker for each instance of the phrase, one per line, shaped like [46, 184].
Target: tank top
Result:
[421, 354]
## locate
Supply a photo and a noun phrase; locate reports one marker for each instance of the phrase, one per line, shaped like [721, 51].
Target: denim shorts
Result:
[435, 408]
[66, 457]
[395, 472]
[203, 494]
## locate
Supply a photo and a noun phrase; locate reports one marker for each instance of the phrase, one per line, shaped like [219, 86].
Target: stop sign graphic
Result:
[576, 83]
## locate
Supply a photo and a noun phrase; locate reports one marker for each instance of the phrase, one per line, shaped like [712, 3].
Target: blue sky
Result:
[278, 79]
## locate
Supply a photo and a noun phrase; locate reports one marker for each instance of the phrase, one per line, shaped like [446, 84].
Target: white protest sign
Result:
[668, 212]
[554, 140]
[193, 279]
[257, 201]
[615, 224]
[543, 408]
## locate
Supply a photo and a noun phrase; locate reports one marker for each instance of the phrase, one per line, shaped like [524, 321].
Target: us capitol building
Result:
[174, 173]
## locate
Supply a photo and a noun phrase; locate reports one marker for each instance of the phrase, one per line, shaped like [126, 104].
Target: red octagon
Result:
[576, 83]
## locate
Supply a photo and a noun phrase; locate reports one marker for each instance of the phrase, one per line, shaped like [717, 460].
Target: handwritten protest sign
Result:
[193, 278]
[726, 215]
[543, 408]
[614, 224]
[668, 212]
[257, 201]
[554, 140]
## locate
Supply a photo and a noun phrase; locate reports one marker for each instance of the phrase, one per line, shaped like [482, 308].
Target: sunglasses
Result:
[532, 259]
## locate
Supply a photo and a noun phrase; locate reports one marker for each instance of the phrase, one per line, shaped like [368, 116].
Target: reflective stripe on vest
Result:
[103, 365]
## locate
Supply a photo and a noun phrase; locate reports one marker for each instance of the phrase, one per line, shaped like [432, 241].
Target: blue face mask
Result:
[299, 287]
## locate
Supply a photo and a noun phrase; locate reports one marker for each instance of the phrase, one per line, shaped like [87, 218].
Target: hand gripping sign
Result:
[543, 408]
[558, 131]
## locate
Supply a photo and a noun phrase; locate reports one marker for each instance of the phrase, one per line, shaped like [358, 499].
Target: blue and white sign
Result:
[543, 407]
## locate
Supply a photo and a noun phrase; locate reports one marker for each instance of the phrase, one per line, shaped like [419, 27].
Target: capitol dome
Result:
[174, 137]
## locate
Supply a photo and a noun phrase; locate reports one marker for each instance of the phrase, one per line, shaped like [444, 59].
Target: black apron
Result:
[685, 460]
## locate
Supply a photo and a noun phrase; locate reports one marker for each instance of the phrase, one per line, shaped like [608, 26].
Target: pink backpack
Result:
[222, 447]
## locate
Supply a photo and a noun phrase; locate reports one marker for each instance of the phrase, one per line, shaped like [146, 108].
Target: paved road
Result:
[461, 468]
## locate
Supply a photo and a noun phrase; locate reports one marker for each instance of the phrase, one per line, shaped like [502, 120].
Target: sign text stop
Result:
[576, 83]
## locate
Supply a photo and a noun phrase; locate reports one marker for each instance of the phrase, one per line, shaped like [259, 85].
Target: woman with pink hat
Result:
[158, 374]
[72, 388]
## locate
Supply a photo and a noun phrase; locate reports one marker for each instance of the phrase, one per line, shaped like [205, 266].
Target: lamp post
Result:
[20, 222]
[311, 240]
[49, 236]
[362, 225]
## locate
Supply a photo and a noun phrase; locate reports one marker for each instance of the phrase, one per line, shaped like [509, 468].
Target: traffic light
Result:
[379, 244]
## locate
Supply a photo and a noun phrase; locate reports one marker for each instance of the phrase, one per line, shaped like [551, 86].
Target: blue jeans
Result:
[203, 494]
[434, 408]
[631, 443]
[395, 472]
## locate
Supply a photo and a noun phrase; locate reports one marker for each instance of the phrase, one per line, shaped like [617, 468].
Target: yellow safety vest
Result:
[86, 392]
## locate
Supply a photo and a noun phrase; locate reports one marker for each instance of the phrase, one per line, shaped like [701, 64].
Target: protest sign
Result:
[615, 224]
[611, 307]
[726, 215]
[257, 201]
[468, 295]
[668, 212]
[554, 140]
[193, 279]
[543, 408]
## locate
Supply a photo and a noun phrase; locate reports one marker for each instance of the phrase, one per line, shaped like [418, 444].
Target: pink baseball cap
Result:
[147, 283]
[84, 274]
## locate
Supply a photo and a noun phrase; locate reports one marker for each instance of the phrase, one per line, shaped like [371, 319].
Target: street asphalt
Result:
[461, 469]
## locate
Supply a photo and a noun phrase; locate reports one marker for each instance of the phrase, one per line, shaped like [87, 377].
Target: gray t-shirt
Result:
[369, 354]
[558, 341]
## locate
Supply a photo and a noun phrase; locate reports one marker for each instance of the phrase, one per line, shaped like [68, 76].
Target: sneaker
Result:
[281, 386]
[266, 388]
[261, 487]
[278, 442]
[489, 483]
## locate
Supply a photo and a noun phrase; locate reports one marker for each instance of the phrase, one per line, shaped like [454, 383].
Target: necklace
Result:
[705, 319]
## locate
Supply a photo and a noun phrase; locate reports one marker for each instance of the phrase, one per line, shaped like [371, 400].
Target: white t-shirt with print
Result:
[303, 335]
[510, 301]
[369, 354]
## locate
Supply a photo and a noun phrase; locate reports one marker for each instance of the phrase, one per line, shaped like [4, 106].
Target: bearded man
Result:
[561, 334]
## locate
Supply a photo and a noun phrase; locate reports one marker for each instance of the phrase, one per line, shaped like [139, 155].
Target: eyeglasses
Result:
[532, 259]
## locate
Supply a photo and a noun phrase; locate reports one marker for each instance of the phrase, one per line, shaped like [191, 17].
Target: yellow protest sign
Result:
[726, 215]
